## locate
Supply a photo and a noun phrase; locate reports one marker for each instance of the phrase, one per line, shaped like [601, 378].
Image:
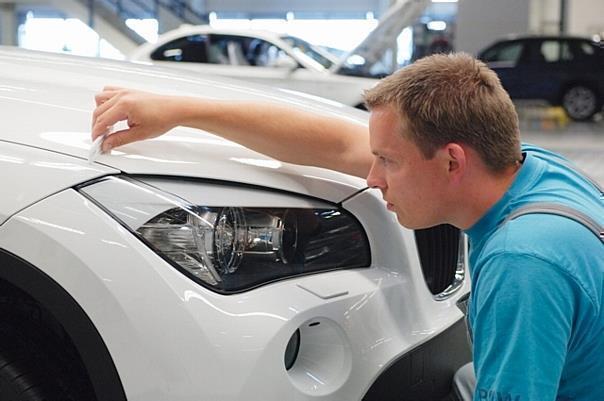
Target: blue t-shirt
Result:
[536, 307]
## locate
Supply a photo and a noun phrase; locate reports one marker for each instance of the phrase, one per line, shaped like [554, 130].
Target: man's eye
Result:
[383, 160]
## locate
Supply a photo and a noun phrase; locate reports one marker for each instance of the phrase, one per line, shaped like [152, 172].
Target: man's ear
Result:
[456, 158]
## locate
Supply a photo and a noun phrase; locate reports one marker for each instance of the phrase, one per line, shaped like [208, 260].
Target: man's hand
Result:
[147, 115]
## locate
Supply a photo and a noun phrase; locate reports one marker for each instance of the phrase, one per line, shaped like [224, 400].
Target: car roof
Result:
[516, 37]
[47, 102]
[206, 29]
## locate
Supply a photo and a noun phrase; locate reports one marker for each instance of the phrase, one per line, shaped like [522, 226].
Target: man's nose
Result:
[375, 178]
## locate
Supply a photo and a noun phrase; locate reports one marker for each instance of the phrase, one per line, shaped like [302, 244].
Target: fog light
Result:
[291, 351]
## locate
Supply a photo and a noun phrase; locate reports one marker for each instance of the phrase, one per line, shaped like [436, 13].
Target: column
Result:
[8, 24]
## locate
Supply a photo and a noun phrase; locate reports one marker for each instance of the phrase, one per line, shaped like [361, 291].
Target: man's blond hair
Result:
[448, 98]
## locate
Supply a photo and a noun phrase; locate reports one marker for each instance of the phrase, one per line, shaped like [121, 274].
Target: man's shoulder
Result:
[557, 243]
[542, 235]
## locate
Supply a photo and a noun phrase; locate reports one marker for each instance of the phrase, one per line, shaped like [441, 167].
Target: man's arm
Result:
[284, 133]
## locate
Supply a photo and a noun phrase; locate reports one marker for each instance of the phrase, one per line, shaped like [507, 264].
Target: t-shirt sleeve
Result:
[521, 323]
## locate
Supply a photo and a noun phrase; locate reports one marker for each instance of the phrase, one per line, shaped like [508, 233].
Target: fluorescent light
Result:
[437, 25]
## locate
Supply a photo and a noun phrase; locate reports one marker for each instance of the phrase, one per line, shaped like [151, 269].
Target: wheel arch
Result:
[66, 311]
[576, 82]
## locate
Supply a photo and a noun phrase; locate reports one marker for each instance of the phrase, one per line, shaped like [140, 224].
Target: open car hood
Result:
[401, 14]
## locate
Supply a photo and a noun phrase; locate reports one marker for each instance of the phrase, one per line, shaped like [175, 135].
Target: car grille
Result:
[441, 253]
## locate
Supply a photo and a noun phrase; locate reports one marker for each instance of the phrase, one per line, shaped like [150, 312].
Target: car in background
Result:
[285, 61]
[264, 57]
[188, 267]
[564, 71]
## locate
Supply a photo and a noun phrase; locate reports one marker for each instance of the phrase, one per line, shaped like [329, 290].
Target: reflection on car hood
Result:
[47, 102]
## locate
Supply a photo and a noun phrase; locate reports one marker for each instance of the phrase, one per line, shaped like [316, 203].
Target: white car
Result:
[285, 61]
[257, 56]
[190, 268]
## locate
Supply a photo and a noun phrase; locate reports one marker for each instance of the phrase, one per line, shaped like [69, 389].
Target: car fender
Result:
[53, 172]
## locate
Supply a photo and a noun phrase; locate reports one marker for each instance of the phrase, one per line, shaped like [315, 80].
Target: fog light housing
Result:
[291, 351]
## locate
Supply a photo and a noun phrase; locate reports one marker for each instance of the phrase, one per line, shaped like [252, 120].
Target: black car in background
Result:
[564, 71]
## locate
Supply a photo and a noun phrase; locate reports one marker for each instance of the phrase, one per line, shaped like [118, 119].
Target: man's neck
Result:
[483, 192]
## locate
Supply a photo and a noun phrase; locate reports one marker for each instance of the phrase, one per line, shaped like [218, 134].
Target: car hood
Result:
[47, 102]
[401, 14]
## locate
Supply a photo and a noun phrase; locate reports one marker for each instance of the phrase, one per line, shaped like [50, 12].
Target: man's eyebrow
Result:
[381, 153]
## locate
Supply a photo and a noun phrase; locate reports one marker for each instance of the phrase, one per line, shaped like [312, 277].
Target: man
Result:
[443, 147]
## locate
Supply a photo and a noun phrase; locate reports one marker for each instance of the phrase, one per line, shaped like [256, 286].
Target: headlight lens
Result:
[233, 239]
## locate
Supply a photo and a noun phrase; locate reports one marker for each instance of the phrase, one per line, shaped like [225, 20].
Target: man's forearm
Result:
[284, 133]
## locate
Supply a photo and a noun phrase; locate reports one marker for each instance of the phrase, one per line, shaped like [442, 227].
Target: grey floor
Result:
[583, 143]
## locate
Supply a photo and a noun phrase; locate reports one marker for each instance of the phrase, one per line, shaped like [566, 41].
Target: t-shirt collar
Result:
[495, 215]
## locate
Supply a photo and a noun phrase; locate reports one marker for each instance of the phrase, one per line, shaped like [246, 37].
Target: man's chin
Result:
[414, 225]
[404, 221]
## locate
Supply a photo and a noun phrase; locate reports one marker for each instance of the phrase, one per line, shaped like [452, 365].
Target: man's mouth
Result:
[390, 206]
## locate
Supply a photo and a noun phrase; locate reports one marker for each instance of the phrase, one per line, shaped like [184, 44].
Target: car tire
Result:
[580, 102]
[26, 371]
[35, 365]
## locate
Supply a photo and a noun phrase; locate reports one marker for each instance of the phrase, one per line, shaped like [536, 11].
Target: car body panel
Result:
[20, 166]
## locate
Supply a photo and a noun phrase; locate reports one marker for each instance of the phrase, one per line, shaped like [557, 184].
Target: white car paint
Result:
[170, 338]
[298, 72]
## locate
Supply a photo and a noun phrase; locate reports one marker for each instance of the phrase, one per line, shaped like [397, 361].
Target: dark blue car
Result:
[564, 71]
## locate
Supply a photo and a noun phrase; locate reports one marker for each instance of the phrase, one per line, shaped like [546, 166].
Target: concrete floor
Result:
[583, 143]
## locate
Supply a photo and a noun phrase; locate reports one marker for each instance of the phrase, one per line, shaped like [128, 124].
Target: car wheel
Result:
[580, 102]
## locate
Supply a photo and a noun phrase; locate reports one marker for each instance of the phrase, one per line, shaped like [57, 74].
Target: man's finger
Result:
[121, 138]
[104, 96]
[107, 119]
[102, 108]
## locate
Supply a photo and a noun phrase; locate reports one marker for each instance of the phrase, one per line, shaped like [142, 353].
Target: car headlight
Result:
[233, 238]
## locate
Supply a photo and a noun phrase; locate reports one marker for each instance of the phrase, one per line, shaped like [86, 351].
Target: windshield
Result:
[309, 50]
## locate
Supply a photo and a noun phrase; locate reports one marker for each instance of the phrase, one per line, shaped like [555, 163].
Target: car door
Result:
[589, 63]
[509, 60]
[552, 66]
[247, 58]
[257, 60]
[191, 48]
[268, 63]
[192, 52]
